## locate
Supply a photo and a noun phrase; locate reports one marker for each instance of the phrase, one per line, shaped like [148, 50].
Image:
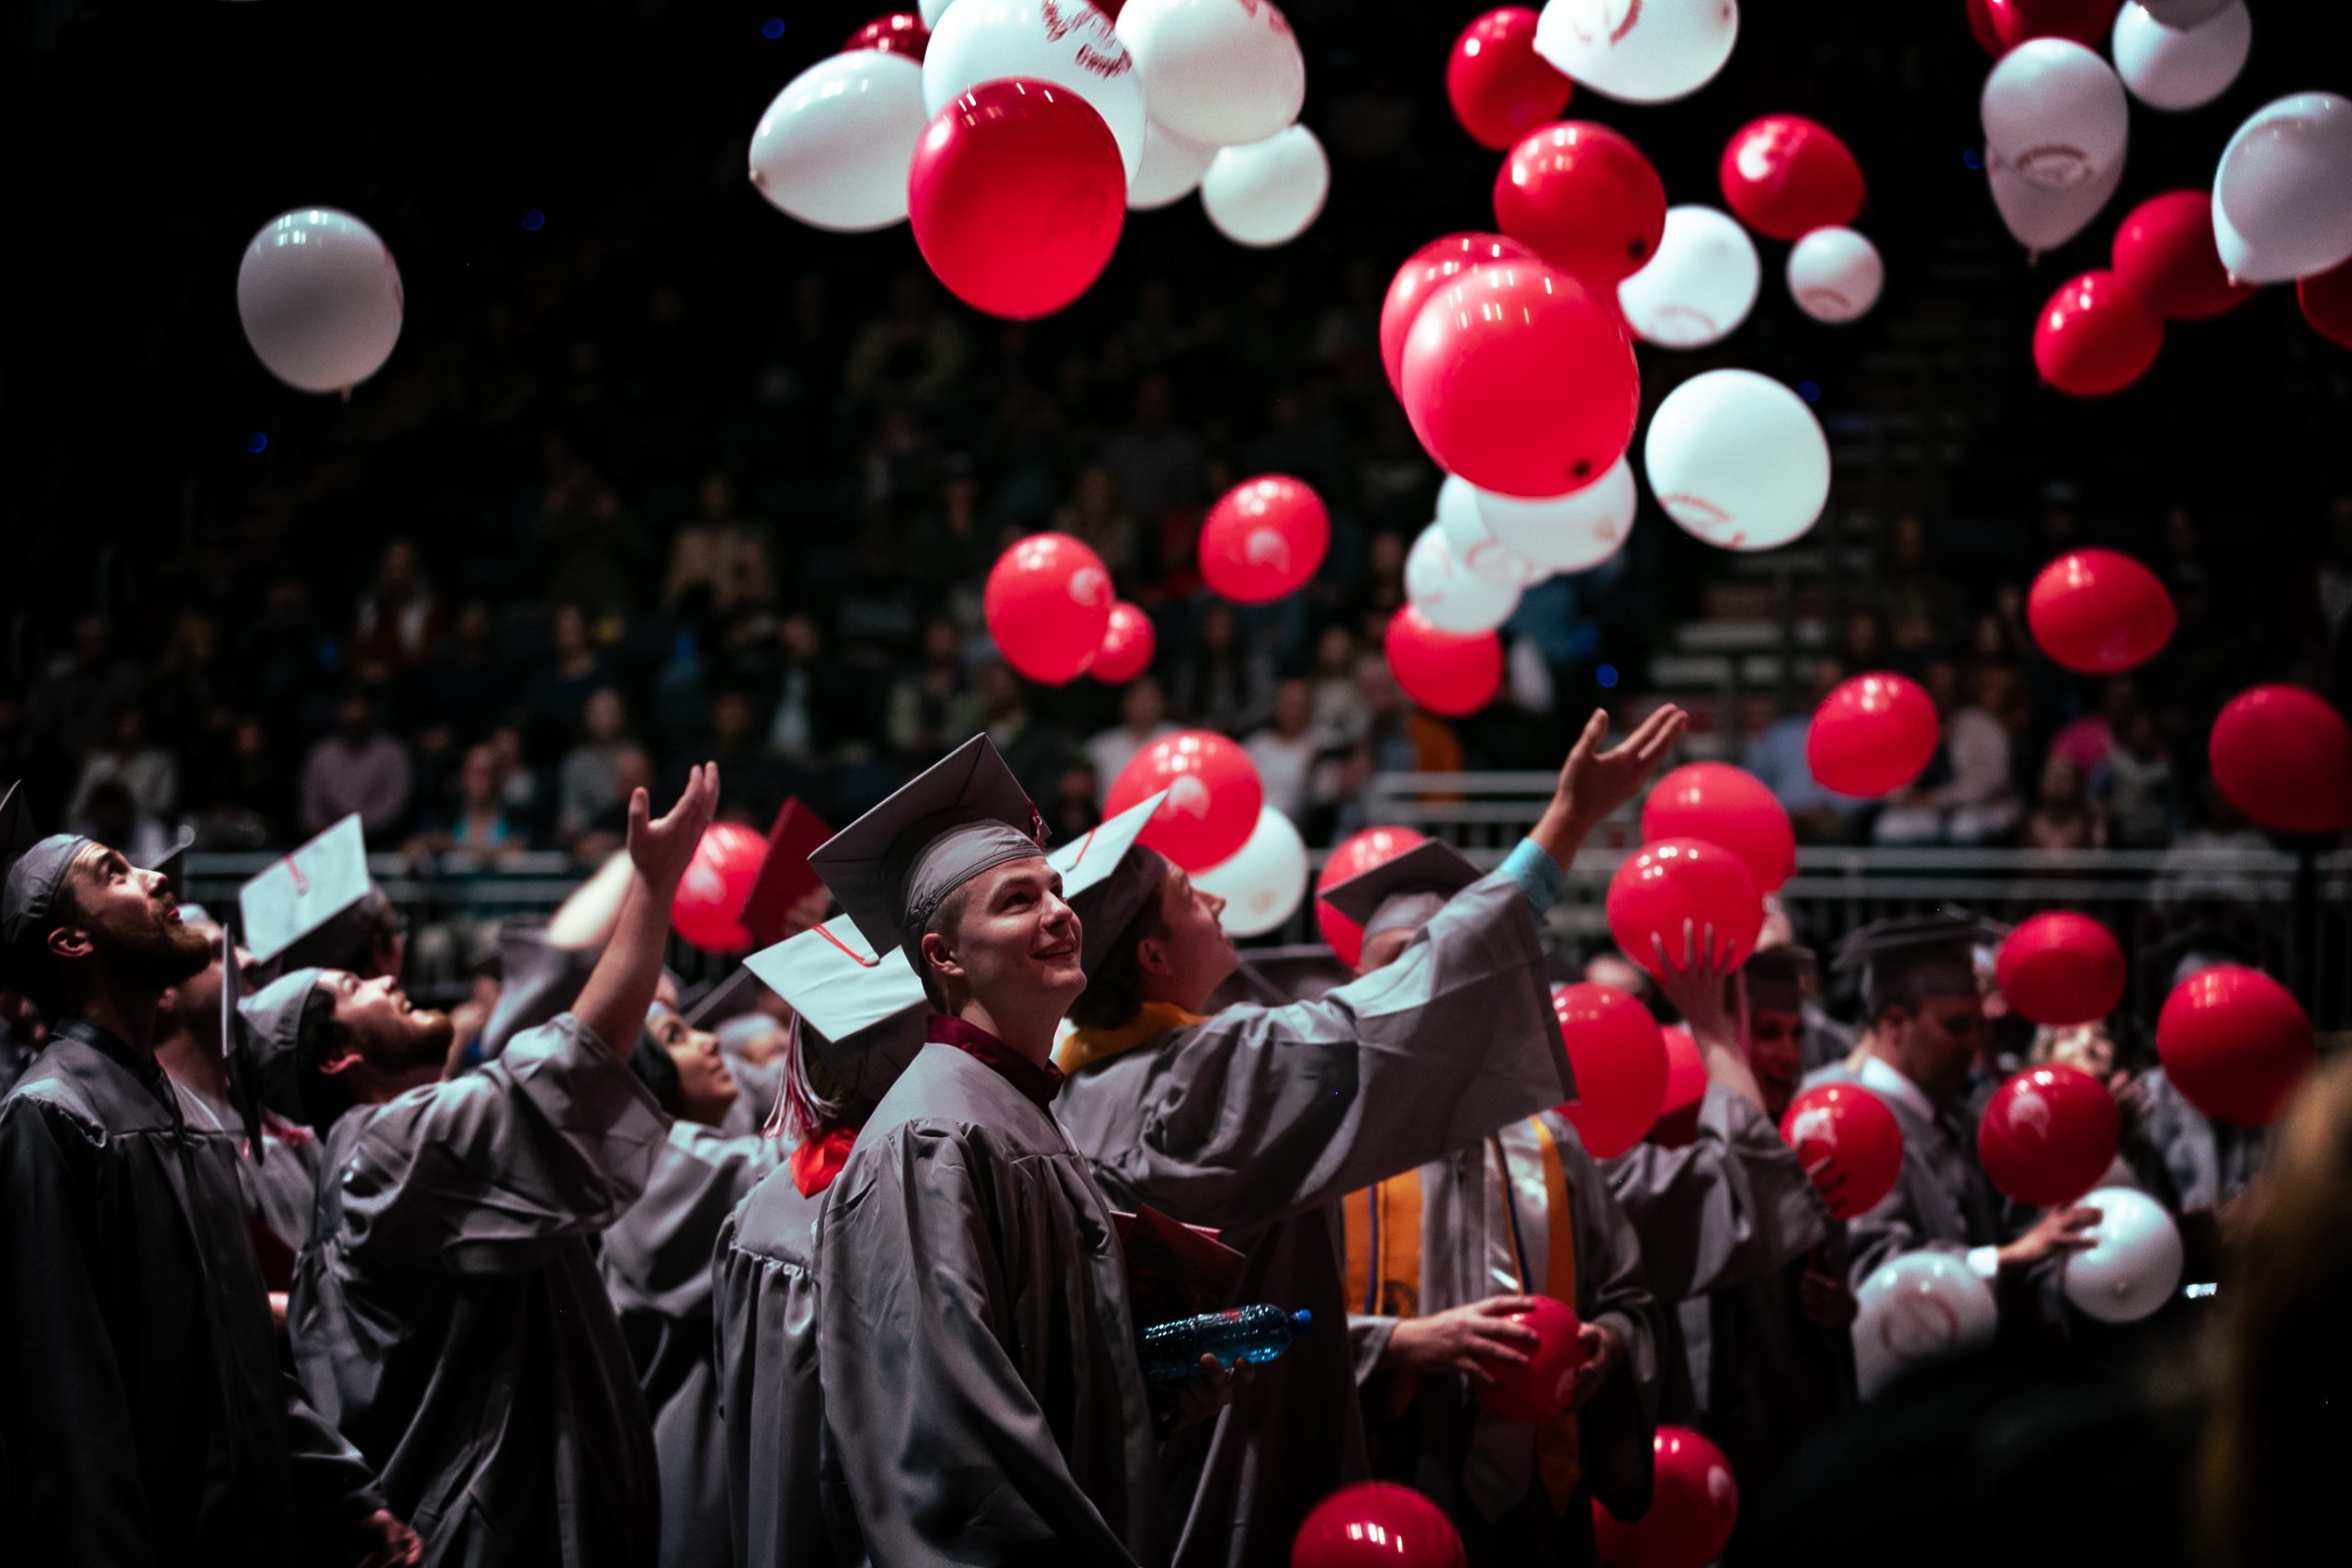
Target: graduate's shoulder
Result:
[775, 1222]
[82, 1093]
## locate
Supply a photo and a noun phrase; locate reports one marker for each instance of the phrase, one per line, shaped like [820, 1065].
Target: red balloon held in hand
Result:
[1213, 796]
[1375, 1525]
[1354, 855]
[1416, 282]
[1663, 885]
[2095, 337]
[709, 909]
[2283, 756]
[1872, 735]
[1016, 195]
[1520, 380]
[2166, 256]
[1785, 176]
[2099, 612]
[2086, 22]
[1128, 643]
[2326, 301]
[1545, 1385]
[1263, 539]
[1725, 805]
[1618, 1056]
[1047, 604]
[1853, 1129]
[899, 32]
[1500, 87]
[1694, 1505]
[1454, 673]
[2236, 1044]
[2060, 968]
[1585, 198]
[2048, 1135]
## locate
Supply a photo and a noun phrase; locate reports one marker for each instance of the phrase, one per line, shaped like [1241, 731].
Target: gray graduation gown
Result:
[1941, 1202]
[656, 1260]
[448, 1317]
[144, 1417]
[975, 1352]
[1260, 1119]
[280, 1188]
[2188, 1159]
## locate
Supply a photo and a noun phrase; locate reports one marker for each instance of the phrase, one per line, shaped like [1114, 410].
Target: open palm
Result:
[661, 848]
[1594, 783]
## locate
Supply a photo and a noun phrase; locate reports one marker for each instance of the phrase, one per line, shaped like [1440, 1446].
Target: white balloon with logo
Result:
[1067, 42]
[1639, 52]
[2044, 219]
[1473, 542]
[1738, 461]
[1917, 1308]
[1222, 71]
[1266, 192]
[1569, 533]
[2282, 196]
[1450, 595]
[1834, 275]
[1263, 882]
[2133, 1265]
[1171, 169]
[2169, 67]
[1698, 285]
[833, 147]
[2055, 113]
[320, 299]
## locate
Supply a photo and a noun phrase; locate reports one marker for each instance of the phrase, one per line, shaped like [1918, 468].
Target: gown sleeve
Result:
[1730, 1206]
[1616, 1426]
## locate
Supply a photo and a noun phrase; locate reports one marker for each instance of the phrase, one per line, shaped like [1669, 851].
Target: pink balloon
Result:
[1785, 176]
[1128, 643]
[1521, 381]
[2164, 255]
[2099, 612]
[1872, 735]
[1017, 194]
[1585, 198]
[1662, 886]
[1418, 280]
[1354, 855]
[1454, 673]
[1263, 539]
[1500, 87]
[2061, 968]
[1618, 1058]
[1729, 806]
[2095, 337]
[709, 909]
[1213, 796]
[1047, 604]
[2283, 756]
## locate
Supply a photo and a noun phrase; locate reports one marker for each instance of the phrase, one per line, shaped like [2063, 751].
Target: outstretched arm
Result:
[1594, 783]
[614, 1002]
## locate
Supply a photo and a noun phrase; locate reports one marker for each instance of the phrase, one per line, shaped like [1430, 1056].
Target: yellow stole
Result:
[1084, 1047]
[1384, 1273]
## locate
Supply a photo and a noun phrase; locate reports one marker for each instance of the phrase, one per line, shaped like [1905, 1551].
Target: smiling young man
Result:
[1259, 1119]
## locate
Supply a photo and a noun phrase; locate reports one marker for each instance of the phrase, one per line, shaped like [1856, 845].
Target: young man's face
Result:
[1776, 1053]
[380, 1025]
[1013, 932]
[1195, 956]
[705, 1088]
[131, 919]
[1939, 1037]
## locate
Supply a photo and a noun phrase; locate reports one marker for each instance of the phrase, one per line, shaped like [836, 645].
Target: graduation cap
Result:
[861, 1015]
[1913, 955]
[1405, 892]
[267, 1053]
[302, 894]
[730, 998]
[1779, 977]
[34, 869]
[786, 876]
[1109, 878]
[893, 867]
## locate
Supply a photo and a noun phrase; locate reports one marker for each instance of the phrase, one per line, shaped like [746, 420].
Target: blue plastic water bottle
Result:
[1172, 1351]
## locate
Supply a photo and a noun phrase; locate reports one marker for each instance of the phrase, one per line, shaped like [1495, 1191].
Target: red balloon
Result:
[1500, 87]
[2235, 1043]
[2164, 254]
[2326, 301]
[1454, 673]
[1663, 885]
[2283, 756]
[899, 32]
[1686, 1086]
[1619, 1057]
[1128, 643]
[1213, 796]
[1694, 1503]
[1356, 854]
[1265, 538]
[1980, 26]
[1016, 195]
[1851, 1128]
[2087, 22]
[2061, 968]
[1520, 380]
[1543, 1386]
[2095, 337]
[1727, 806]
[1416, 282]
[1786, 175]
[1047, 604]
[1375, 1525]
[709, 905]
[2048, 1134]
[2099, 612]
[1873, 735]
[1585, 198]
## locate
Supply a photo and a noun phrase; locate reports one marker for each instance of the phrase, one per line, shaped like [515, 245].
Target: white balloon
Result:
[1835, 274]
[1066, 42]
[1639, 52]
[833, 147]
[1448, 595]
[1263, 881]
[1171, 169]
[2282, 196]
[1698, 285]
[1738, 461]
[2172, 67]
[1473, 543]
[2044, 219]
[2184, 13]
[1574, 532]
[1223, 72]
[2133, 1267]
[2055, 113]
[932, 10]
[1916, 1308]
[1268, 192]
[320, 299]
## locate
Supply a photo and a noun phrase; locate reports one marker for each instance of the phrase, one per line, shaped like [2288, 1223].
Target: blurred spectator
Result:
[1224, 685]
[1143, 718]
[606, 833]
[753, 783]
[1286, 751]
[1076, 808]
[910, 353]
[588, 783]
[1340, 716]
[476, 824]
[2135, 785]
[1977, 805]
[82, 689]
[810, 718]
[111, 815]
[2087, 741]
[1919, 602]
[1095, 516]
[398, 617]
[1033, 751]
[1156, 464]
[463, 686]
[720, 552]
[358, 767]
[933, 703]
[2063, 817]
[574, 672]
[151, 774]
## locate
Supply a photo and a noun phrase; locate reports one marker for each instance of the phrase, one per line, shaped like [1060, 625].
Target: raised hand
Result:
[1595, 783]
[1694, 981]
[661, 848]
[2059, 1232]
